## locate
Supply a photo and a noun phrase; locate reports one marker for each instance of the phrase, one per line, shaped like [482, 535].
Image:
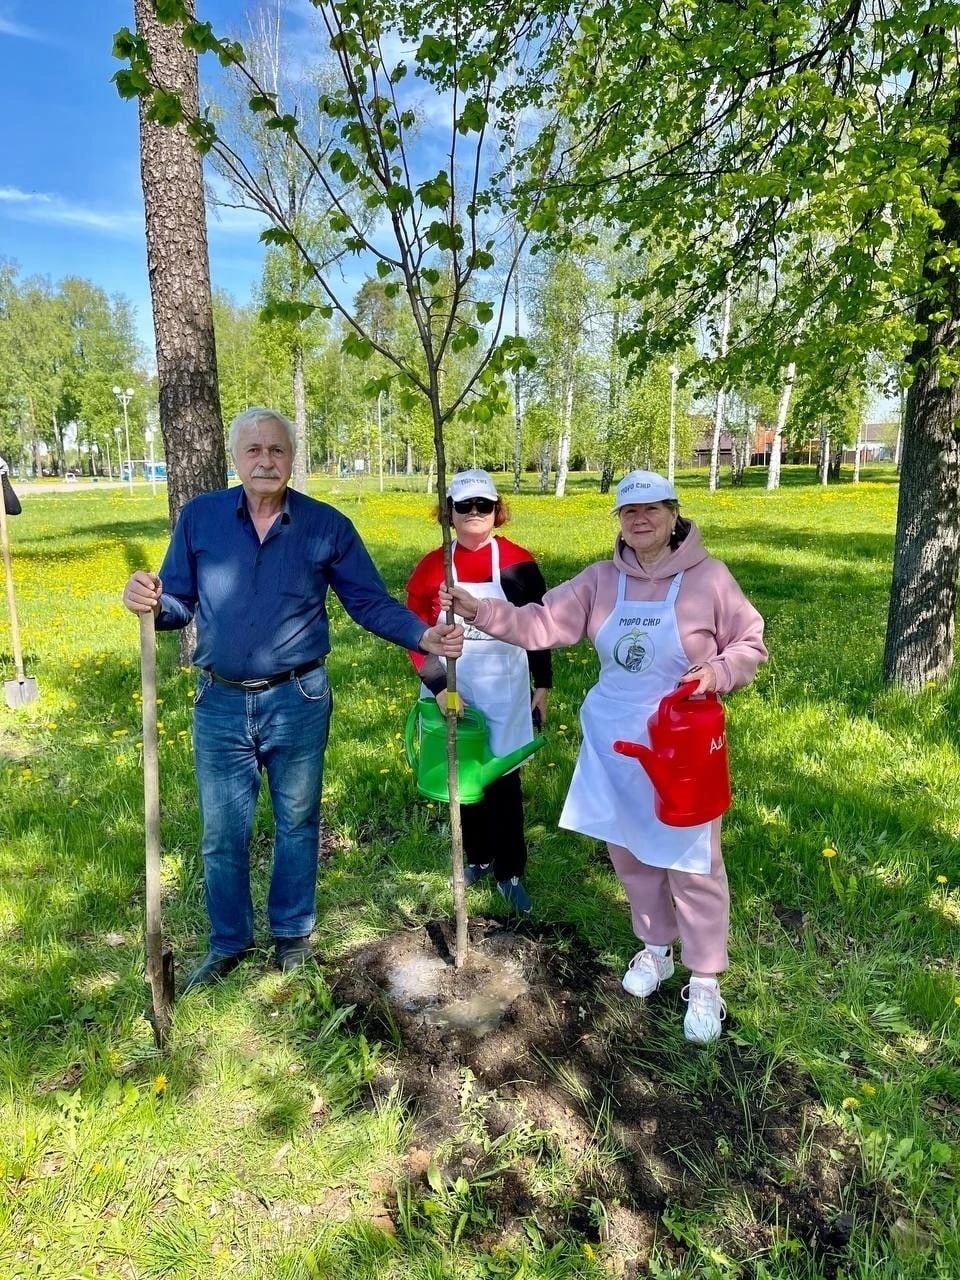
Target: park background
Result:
[281, 1134]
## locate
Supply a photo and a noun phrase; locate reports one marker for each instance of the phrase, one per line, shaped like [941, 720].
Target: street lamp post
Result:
[125, 397]
[109, 463]
[118, 435]
[153, 470]
[672, 445]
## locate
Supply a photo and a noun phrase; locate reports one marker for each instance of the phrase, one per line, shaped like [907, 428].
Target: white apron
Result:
[610, 796]
[493, 676]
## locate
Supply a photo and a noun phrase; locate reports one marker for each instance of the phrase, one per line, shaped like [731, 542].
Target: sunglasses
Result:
[482, 506]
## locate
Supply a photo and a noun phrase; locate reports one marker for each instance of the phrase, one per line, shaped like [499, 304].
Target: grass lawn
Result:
[255, 1148]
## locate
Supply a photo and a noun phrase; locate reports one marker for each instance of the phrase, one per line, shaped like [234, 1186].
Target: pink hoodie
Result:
[718, 625]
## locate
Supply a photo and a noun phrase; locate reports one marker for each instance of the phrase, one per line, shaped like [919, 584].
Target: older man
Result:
[254, 564]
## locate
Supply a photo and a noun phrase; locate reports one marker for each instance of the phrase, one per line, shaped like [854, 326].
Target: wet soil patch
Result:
[540, 1091]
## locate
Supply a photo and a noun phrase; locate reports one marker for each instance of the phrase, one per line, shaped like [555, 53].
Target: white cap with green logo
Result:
[644, 486]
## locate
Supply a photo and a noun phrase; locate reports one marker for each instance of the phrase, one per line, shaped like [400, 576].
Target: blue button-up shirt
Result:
[261, 606]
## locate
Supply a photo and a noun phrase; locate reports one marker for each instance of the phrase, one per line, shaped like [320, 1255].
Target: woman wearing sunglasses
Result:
[493, 676]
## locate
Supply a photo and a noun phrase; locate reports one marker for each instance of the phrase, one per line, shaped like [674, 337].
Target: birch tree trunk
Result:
[776, 446]
[298, 477]
[563, 448]
[721, 396]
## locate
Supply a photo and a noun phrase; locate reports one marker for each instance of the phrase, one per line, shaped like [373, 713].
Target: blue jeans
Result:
[238, 736]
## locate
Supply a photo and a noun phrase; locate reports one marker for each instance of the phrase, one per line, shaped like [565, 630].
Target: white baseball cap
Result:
[644, 486]
[471, 484]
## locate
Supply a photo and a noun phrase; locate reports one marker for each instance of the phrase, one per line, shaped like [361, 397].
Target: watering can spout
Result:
[656, 767]
[497, 766]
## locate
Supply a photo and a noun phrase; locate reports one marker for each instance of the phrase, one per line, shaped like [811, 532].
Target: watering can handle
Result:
[409, 735]
[682, 693]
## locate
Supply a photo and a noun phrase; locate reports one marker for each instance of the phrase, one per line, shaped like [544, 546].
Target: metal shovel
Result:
[23, 689]
[159, 958]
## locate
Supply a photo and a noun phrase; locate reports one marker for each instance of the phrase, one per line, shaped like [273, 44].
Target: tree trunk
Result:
[776, 446]
[926, 558]
[824, 457]
[563, 448]
[177, 262]
[857, 449]
[299, 476]
[606, 475]
[721, 396]
[546, 452]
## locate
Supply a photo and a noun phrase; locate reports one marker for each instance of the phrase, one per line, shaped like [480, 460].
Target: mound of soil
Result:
[532, 1057]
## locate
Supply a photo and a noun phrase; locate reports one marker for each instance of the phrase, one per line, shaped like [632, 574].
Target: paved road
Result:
[36, 488]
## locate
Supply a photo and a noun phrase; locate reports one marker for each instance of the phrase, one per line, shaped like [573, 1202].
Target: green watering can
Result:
[425, 735]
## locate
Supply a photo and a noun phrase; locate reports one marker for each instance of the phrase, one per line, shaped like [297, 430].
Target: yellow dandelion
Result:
[956, 999]
[867, 1089]
[942, 880]
[829, 852]
[850, 1104]
[159, 1084]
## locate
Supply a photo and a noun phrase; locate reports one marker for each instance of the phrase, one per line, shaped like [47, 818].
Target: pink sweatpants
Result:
[666, 905]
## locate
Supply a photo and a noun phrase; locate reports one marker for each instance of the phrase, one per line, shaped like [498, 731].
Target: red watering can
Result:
[687, 762]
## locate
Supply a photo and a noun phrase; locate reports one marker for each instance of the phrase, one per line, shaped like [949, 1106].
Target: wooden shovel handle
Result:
[11, 598]
[159, 974]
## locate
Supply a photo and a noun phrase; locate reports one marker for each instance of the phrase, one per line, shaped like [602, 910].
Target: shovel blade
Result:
[20, 692]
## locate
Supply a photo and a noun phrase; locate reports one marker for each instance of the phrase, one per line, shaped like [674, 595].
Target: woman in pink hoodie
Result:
[660, 613]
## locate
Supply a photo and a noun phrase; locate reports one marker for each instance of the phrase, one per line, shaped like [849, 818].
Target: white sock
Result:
[704, 982]
[657, 951]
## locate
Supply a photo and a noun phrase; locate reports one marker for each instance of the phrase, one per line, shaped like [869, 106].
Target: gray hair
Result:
[253, 418]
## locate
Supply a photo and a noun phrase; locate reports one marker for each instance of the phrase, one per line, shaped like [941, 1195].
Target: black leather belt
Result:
[266, 682]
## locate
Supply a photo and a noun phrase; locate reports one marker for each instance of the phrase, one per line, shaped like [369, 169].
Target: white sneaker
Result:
[647, 970]
[706, 1011]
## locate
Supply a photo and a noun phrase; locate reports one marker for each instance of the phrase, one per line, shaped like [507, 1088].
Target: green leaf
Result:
[199, 37]
[437, 192]
[276, 235]
[165, 108]
[484, 312]
[285, 309]
[473, 117]
[125, 43]
[287, 123]
[373, 387]
[397, 197]
[132, 84]
[444, 236]
[263, 102]
[354, 344]
[384, 269]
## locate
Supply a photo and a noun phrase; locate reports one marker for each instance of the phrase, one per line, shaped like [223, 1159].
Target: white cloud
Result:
[19, 31]
[38, 206]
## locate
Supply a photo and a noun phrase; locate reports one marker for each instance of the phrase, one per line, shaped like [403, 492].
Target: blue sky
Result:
[70, 197]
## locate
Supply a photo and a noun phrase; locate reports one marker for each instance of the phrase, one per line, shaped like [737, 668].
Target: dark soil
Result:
[561, 1099]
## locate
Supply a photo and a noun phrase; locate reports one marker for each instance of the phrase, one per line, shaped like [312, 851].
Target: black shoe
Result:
[214, 967]
[291, 953]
